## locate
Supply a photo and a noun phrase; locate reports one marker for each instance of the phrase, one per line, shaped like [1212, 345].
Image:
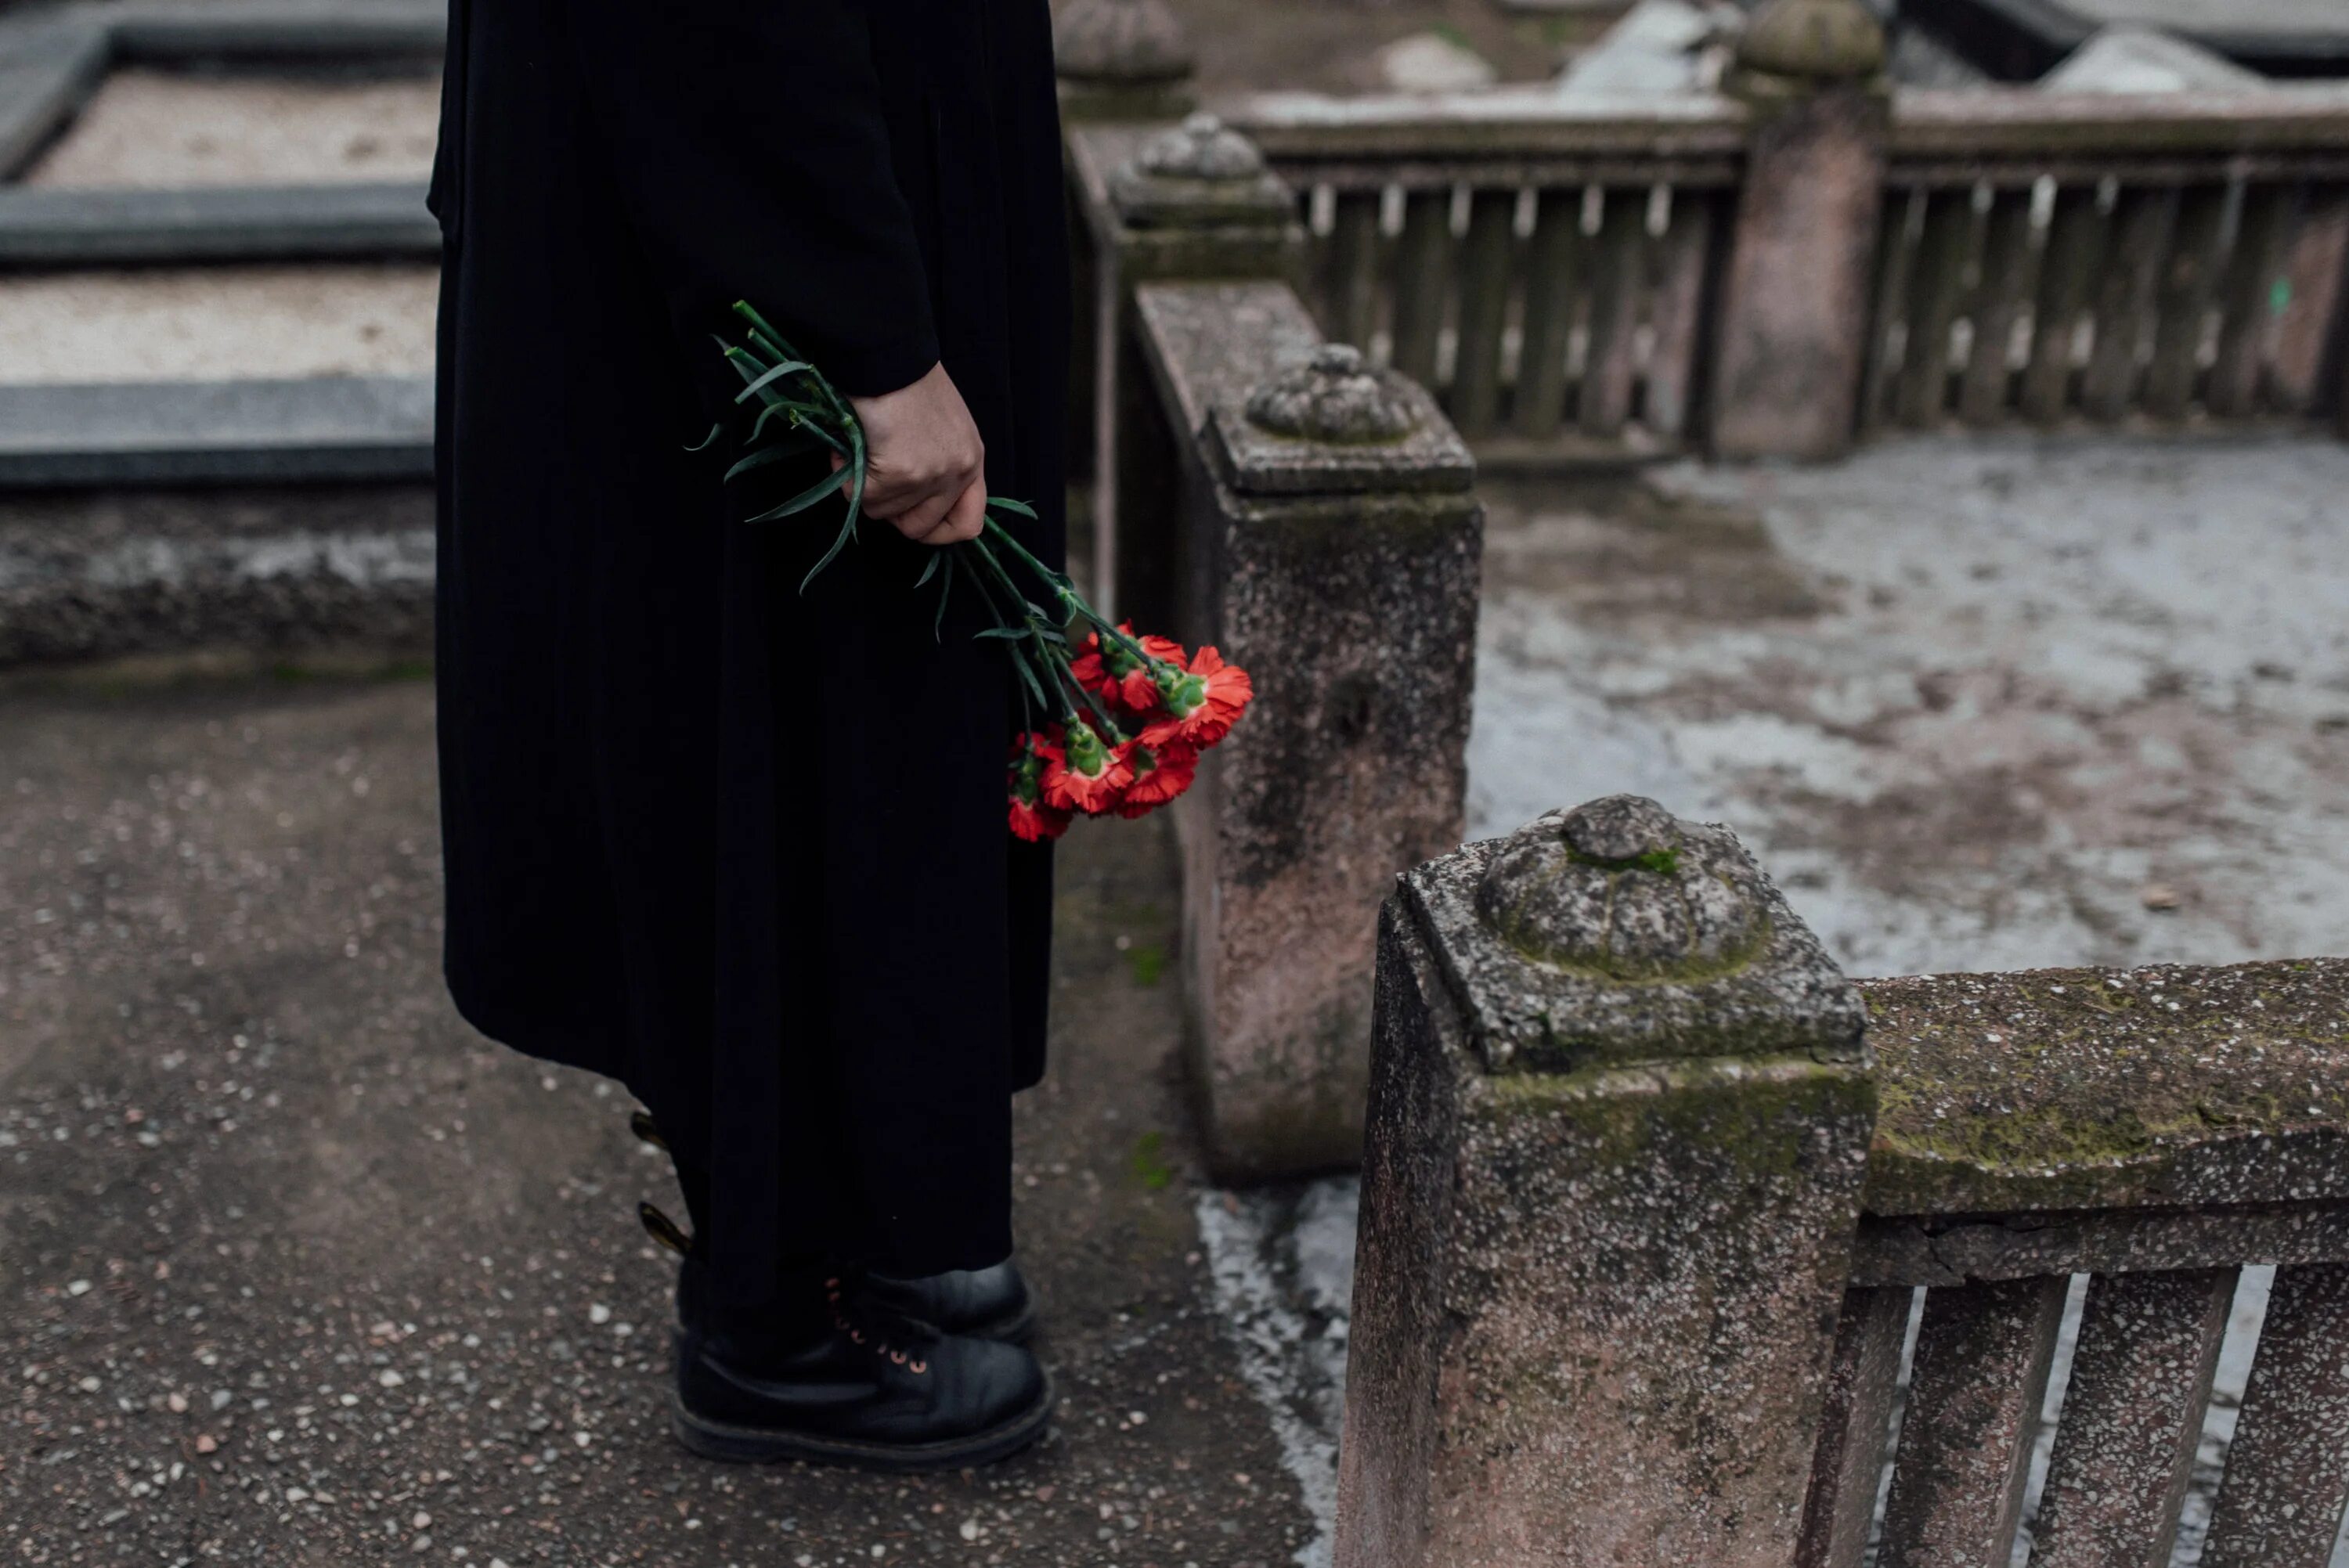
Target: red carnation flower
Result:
[1203, 702]
[1104, 668]
[1085, 774]
[1031, 818]
[1138, 690]
[1158, 776]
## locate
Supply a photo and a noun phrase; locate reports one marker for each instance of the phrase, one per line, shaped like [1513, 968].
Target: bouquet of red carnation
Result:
[1124, 719]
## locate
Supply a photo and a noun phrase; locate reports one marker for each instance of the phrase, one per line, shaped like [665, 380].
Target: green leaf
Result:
[703, 445]
[938, 621]
[806, 499]
[847, 527]
[1012, 634]
[773, 374]
[765, 455]
[760, 323]
[1008, 504]
[1019, 663]
[785, 408]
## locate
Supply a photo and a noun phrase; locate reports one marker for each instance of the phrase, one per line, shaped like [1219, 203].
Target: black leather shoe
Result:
[870, 1388]
[983, 1304]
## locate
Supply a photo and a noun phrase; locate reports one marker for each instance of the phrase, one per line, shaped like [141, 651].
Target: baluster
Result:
[2313, 273]
[1979, 1380]
[1894, 256]
[1553, 280]
[1853, 1426]
[2247, 300]
[2076, 244]
[1351, 283]
[1486, 266]
[1682, 258]
[1943, 251]
[2279, 1502]
[2133, 1418]
[1422, 282]
[2125, 292]
[1609, 365]
[2001, 298]
[2184, 300]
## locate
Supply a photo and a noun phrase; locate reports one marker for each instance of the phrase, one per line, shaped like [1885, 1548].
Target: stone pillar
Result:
[1620, 1106]
[1122, 59]
[1192, 201]
[1328, 540]
[1792, 320]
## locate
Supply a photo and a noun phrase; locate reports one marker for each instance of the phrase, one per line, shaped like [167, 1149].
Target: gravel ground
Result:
[295, 1269]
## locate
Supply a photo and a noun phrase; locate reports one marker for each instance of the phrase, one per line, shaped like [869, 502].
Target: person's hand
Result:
[925, 466]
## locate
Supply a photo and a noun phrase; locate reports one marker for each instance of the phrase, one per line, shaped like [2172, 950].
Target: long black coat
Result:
[740, 847]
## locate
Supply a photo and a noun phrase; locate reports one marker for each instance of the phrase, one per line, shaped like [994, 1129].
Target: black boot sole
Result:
[767, 1445]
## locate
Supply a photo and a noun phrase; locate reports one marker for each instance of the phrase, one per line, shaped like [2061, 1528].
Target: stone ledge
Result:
[105, 575]
[48, 66]
[331, 429]
[1963, 1249]
[2165, 1086]
[52, 61]
[42, 226]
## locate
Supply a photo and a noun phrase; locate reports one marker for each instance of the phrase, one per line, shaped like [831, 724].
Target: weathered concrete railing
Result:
[1807, 256]
[2046, 257]
[1259, 490]
[1322, 533]
[1645, 1208]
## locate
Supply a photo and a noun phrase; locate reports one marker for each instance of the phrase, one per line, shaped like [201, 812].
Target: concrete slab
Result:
[1971, 703]
[320, 429]
[2131, 59]
[101, 226]
[48, 64]
[210, 324]
[2019, 40]
[163, 129]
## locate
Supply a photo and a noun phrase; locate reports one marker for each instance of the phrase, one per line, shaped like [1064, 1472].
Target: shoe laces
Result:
[885, 1335]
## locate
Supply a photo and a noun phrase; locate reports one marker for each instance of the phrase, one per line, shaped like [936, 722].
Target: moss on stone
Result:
[2083, 1089]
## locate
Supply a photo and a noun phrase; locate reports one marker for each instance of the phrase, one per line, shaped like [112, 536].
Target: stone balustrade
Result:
[1310, 514]
[1650, 1189]
[1807, 257]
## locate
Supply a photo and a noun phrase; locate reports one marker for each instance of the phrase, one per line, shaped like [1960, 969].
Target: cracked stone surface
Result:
[1972, 704]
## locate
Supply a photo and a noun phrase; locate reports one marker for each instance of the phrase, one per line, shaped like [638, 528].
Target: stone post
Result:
[1620, 1107]
[1328, 540]
[1192, 201]
[1792, 323]
[1122, 59]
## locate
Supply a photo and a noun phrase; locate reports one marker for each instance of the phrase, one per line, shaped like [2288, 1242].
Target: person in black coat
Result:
[741, 846]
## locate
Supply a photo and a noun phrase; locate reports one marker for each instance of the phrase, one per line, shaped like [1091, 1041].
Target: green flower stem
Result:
[1052, 667]
[1073, 603]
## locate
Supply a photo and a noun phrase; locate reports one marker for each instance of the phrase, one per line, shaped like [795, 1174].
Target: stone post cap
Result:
[1200, 174]
[1201, 147]
[1338, 397]
[1121, 42]
[1811, 42]
[1618, 935]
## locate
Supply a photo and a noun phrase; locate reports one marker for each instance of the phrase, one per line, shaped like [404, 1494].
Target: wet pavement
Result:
[1976, 704]
[294, 1268]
